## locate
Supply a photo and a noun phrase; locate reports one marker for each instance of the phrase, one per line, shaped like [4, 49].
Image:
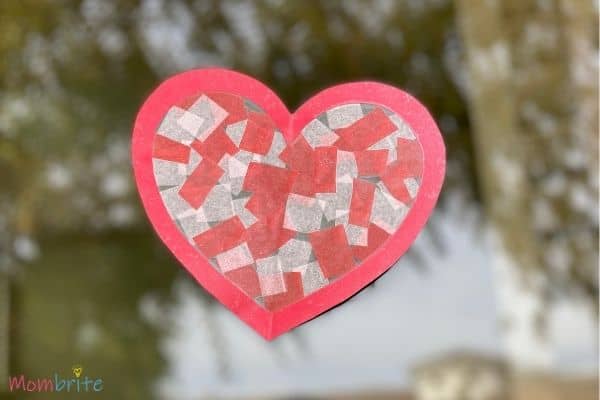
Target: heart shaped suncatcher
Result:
[282, 216]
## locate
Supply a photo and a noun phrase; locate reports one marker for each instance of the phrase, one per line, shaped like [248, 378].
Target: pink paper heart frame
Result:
[271, 324]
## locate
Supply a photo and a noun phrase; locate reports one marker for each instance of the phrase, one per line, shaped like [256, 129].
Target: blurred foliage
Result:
[74, 73]
[80, 311]
[533, 78]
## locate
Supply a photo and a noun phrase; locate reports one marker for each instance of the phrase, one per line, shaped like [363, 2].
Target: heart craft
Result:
[282, 216]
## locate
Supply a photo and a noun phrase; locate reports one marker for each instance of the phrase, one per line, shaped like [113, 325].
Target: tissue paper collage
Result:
[282, 220]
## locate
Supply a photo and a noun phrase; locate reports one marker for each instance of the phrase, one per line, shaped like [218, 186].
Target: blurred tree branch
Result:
[532, 81]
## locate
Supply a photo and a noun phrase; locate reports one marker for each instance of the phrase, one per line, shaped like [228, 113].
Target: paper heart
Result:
[282, 216]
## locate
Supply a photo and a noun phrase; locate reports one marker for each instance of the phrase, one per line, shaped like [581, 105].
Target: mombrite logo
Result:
[82, 383]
